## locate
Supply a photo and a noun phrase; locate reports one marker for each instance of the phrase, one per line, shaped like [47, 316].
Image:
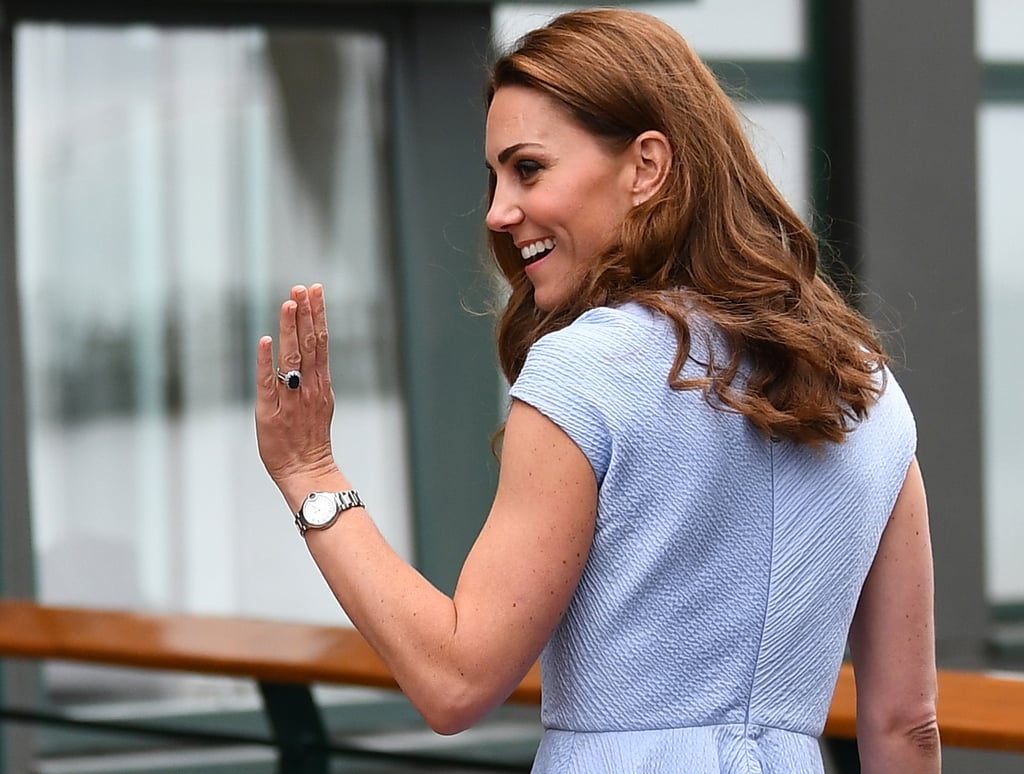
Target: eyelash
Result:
[524, 168]
[527, 168]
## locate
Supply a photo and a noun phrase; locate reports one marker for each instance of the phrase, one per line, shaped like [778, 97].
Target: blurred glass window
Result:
[1000, 170]
[172, 185]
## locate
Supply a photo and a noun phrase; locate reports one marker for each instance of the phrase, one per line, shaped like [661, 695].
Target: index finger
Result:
[266, 375]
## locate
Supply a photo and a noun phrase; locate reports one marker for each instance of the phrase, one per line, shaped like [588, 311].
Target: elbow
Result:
[915, 732]
[448, 723]
[457, 707]
[923, 736]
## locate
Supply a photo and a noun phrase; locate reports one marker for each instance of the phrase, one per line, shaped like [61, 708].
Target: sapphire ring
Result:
[293, 379]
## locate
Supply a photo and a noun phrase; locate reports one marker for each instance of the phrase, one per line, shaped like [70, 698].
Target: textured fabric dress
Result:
[709, 626]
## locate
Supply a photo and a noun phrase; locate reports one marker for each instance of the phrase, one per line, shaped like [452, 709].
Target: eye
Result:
[527, 168]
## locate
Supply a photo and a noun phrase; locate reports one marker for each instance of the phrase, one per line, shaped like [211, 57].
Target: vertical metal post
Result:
[6, 259]
[19, 681]
[844, 755]
[917, 83]
[451, 378]
[297, 726]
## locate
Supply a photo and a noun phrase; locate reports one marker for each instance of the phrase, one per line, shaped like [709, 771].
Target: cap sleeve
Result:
[567, 378]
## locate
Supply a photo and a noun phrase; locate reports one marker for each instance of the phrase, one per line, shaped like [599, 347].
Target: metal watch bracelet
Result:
[337, 502]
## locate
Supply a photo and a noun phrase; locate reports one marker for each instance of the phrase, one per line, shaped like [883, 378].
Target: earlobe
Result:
[652, 158]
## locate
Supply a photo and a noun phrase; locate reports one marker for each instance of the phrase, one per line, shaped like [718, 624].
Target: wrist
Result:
[296, 488]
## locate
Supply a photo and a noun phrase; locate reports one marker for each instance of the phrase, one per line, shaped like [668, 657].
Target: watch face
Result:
[319, 509]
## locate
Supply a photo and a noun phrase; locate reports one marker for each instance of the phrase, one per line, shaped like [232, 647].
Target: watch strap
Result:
[342, 502]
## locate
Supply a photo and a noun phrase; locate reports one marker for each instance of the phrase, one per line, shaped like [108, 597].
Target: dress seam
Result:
[768, 589]
[737, 724]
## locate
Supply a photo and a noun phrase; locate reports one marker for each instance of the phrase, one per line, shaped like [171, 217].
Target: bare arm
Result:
[455, 657]
[892, 641]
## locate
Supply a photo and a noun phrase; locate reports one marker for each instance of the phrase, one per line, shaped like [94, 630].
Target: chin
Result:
[546, 303]
[550, 299]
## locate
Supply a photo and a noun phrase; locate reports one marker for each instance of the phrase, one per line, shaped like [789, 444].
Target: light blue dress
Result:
[709, 626]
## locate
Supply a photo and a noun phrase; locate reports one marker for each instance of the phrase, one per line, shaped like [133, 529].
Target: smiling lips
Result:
[534, 251]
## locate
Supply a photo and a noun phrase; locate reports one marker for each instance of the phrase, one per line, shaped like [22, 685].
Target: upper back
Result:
[726, 565]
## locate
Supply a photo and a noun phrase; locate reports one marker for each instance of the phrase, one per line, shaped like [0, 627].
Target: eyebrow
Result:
[506, 154]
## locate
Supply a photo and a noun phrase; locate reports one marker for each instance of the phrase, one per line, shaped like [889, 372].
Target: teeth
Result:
[539, 246]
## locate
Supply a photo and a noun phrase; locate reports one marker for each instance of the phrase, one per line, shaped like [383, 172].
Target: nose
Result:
[503, 212]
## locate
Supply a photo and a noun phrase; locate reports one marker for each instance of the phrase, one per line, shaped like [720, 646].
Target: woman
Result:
[708, 478]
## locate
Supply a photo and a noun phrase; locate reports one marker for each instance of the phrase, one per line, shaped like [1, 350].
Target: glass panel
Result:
[770, 29]
[172, 186]
[1001, 168]
[779, 132]
[1000, 30]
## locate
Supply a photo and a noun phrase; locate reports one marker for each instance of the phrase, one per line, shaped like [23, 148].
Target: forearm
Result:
[408, 621]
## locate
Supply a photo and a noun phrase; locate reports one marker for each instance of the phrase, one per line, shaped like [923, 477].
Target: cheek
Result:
[590, 209]
[599, 219]
[605, 202]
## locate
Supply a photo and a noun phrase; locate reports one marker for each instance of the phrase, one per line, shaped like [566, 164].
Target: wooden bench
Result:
[976, 710]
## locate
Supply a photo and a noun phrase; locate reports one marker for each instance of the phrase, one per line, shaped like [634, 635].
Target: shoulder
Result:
[880, 447]
[597, 337]
[588, 358]
[585, 376]
[892, 405]
[893, 410]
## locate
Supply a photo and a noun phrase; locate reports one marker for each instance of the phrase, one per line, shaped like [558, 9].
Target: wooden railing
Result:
[976, 710]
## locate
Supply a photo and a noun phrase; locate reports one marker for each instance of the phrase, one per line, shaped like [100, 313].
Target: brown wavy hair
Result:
[717, 237]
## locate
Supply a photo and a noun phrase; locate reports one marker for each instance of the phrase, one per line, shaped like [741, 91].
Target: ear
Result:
[652, 159]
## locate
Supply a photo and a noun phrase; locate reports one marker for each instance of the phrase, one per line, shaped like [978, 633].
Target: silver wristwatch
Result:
[321, 509]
